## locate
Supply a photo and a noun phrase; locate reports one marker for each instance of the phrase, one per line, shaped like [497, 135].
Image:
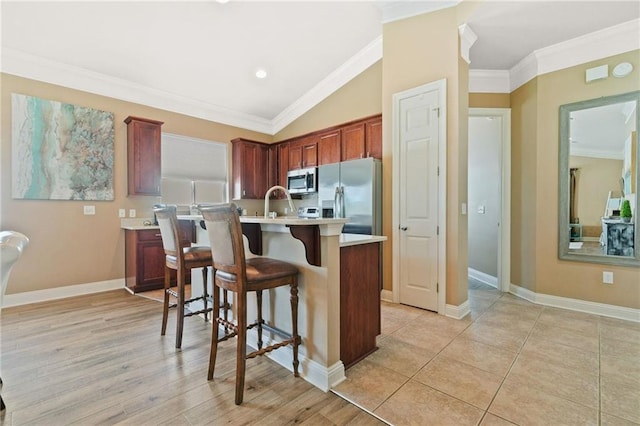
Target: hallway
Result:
[508, 362]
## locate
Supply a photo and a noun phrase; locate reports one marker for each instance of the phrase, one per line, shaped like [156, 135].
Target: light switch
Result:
[89, 210]
[464, 208]
[132, 212]
[122, 213]
[607, 277]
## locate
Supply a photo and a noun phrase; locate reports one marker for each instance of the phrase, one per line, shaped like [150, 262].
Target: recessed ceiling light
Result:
[222, 1]
[261, 73]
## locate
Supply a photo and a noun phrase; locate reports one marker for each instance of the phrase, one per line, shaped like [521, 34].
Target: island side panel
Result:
[318, 307]
[360, 301]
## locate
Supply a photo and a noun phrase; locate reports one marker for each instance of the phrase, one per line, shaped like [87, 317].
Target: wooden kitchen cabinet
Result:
[362, 140]
[360, 276]
[329, 147]
[353, 142]
[143, 156]
[373, 137]
[303, 153]
[144, 257]
[250, 161]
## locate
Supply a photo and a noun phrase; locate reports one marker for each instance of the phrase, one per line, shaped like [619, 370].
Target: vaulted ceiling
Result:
[200, 58]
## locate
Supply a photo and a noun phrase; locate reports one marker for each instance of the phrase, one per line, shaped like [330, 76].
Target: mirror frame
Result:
[563, 183]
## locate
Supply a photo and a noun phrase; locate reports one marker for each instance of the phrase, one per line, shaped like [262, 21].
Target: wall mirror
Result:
[598, 170]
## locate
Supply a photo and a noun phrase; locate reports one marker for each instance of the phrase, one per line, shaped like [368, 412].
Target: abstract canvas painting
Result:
[61, 151]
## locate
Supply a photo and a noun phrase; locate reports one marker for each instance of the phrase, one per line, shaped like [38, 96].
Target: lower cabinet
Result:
[144, 258]
[360, 280]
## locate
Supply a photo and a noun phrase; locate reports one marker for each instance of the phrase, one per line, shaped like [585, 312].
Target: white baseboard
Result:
[458, 312]
[585, 306]
[319, 376]
[386, 295]
[17, 299]
[483, 278]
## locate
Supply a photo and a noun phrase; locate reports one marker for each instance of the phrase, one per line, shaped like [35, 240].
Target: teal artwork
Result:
[60, 151]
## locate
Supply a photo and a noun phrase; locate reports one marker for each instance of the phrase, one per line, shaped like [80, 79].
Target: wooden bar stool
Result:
[239, 275]
[182, 260]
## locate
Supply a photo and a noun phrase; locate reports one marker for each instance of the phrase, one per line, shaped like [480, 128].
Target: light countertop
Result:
[347, 240]
[280, 220]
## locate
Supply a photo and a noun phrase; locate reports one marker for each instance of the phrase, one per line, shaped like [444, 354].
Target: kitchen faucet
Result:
[266, 199]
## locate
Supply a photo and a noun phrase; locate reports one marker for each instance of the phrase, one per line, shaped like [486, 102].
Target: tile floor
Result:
[508, 362]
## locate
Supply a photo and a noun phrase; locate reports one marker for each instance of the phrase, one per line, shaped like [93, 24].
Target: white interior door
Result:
[418, 127]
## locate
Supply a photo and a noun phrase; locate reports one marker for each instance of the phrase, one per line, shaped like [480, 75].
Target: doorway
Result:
[489, 209]
[419, 216]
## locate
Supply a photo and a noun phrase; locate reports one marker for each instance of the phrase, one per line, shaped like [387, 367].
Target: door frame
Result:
[441, 87]
[504, 161]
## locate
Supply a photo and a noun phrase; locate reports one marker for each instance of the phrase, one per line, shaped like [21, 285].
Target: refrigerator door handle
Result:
[336, 205]
[342, 202]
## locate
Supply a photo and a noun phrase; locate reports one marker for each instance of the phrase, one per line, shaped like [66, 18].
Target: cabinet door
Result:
[353, 145]
[295, 155]
[329, 146]
[374, 138]
[283, 168]
[250, 163]
[310, 152]
[272, 166]
[151, 260]
[144, 161]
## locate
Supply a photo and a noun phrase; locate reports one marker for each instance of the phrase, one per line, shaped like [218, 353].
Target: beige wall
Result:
[67, 247]
[420, 50]
[360, 97]
[524, 119]
[596, 177]
[489, 100]
[564, 278]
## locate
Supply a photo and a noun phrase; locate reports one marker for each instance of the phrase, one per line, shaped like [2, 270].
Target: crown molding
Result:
[41, 69]
[396, 10]
[362, 60]
[467, 38]
[590, 47]
[610, 41]
[37, 68]
[596, 153]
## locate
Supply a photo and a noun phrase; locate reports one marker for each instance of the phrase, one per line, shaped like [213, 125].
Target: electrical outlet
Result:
[89, 210]
[122, 213]
[607, 277]
[132, 212]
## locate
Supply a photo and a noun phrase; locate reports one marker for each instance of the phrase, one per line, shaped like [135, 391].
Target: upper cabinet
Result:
[362, 140]
[373, 139]
[143, 156]
[303, 153]
[250, 174]
[329, 147]
[353, 143]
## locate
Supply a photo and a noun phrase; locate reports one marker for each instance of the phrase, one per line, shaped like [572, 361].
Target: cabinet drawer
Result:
[149, 235]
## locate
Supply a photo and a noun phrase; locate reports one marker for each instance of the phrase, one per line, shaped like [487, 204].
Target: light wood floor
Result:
[100, 359]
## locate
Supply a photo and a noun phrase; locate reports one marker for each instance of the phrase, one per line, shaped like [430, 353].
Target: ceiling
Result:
[200, 58]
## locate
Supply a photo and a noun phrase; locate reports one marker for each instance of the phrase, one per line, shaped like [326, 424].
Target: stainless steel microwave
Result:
[303, 181]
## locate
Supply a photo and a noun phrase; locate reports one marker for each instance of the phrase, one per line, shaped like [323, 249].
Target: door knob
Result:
[404, 228]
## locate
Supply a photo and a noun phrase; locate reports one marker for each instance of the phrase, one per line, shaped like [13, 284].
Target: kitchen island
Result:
[314, 246]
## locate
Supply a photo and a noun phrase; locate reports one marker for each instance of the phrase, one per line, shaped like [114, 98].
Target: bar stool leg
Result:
[204, 292]
[215, 329]
[180, 308]
[165, 307]
[294, 324]
[241, 355]
[259, 302]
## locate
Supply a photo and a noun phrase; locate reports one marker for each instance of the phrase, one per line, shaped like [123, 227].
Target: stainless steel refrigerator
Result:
[353, 189]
